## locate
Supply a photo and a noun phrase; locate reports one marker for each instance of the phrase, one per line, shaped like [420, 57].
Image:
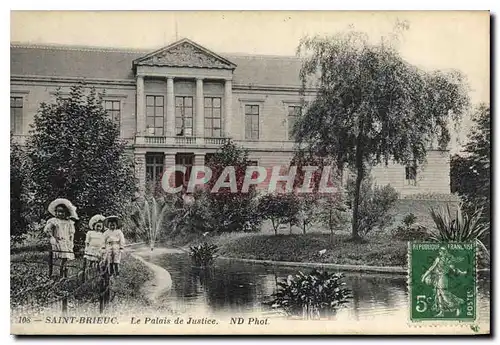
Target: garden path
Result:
[162, 281]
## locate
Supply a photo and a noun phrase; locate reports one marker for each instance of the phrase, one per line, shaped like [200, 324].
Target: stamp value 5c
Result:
[442, 281]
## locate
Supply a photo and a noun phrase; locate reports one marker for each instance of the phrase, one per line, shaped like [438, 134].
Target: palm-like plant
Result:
[458, 226]
[149, 217]
[314, 295]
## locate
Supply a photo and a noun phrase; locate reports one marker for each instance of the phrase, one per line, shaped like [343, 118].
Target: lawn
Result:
[377, 251]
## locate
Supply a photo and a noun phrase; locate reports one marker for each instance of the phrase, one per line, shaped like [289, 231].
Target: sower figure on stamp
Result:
[437, 276]
[94, 240]
[61, 230]
[114, 241]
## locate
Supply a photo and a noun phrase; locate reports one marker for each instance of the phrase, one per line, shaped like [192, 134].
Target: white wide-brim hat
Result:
[95, 219]
[113, 218]
[64, 202]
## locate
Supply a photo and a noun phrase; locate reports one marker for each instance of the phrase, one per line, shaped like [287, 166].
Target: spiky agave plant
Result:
[149, 218]
[458, 226]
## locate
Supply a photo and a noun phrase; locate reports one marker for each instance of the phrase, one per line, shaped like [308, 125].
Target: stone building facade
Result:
[178, 104]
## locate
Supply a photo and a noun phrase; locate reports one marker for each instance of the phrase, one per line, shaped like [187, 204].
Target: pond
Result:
[235, 288]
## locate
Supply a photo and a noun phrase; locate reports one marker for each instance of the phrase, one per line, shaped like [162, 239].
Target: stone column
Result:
[200, 110]
[169, 162]
[199, 159]
[170, 123]
[228, 107]
[199, 162]
[140, 109]
[140, 171]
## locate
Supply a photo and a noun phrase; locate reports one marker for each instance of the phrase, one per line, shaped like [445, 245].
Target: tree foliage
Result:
[471, 171]
[18, 221]
[372, 106]
[231, 210]
[279, 208]
[76, 153]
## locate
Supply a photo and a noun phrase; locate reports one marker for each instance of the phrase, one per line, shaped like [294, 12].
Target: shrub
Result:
[33, 238]
[228, 211]
[195, 217]
[313, 295]
[204, 254]
[279, 209]
[374, 206]
[410, 230]
[333, 211]
[308, 206]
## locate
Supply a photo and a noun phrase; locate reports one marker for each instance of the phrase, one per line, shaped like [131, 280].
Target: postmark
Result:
[442, 282]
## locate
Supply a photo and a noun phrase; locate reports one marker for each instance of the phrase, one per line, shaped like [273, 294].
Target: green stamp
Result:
[442, 281]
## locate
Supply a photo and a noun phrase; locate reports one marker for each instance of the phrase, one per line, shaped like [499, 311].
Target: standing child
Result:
[114, 241]
[61, 229]
[94, 240]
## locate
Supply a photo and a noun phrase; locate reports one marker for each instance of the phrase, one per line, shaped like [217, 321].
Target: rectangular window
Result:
[252, 122]
[113, 110]
[16, 114]
[213, 116]
[293, 113]
[184, 116]
[154, 167]
[411, 174]
[155, 115]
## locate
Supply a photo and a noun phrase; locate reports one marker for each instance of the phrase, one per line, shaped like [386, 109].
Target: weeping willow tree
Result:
[372, 106]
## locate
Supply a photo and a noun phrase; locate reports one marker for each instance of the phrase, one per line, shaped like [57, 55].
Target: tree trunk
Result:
[304, 228]
[359, 180]
[355, 209]
[330, 221]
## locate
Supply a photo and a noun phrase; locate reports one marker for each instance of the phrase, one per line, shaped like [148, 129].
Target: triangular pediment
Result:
[184, 53]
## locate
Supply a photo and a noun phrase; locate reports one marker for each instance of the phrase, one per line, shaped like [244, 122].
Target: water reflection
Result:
[237, 288]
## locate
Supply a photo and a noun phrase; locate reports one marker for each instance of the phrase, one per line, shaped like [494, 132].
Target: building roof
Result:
[116, 64]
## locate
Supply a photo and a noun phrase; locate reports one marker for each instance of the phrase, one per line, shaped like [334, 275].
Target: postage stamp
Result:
[249, 172]
[442, 281]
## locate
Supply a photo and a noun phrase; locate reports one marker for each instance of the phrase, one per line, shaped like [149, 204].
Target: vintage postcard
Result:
[230, 173]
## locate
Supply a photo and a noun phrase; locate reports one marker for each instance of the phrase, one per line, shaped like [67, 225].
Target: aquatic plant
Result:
[314, 295]
[203, 255]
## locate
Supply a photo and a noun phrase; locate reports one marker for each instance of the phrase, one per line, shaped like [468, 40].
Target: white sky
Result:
[435, 40]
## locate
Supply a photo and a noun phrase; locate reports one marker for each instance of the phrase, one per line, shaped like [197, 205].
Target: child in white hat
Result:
[61, 229]
[114, 241]
[94, 240]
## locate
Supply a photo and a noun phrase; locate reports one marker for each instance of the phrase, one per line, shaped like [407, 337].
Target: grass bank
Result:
[377, 251]
[32, 287]
[306, 248]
